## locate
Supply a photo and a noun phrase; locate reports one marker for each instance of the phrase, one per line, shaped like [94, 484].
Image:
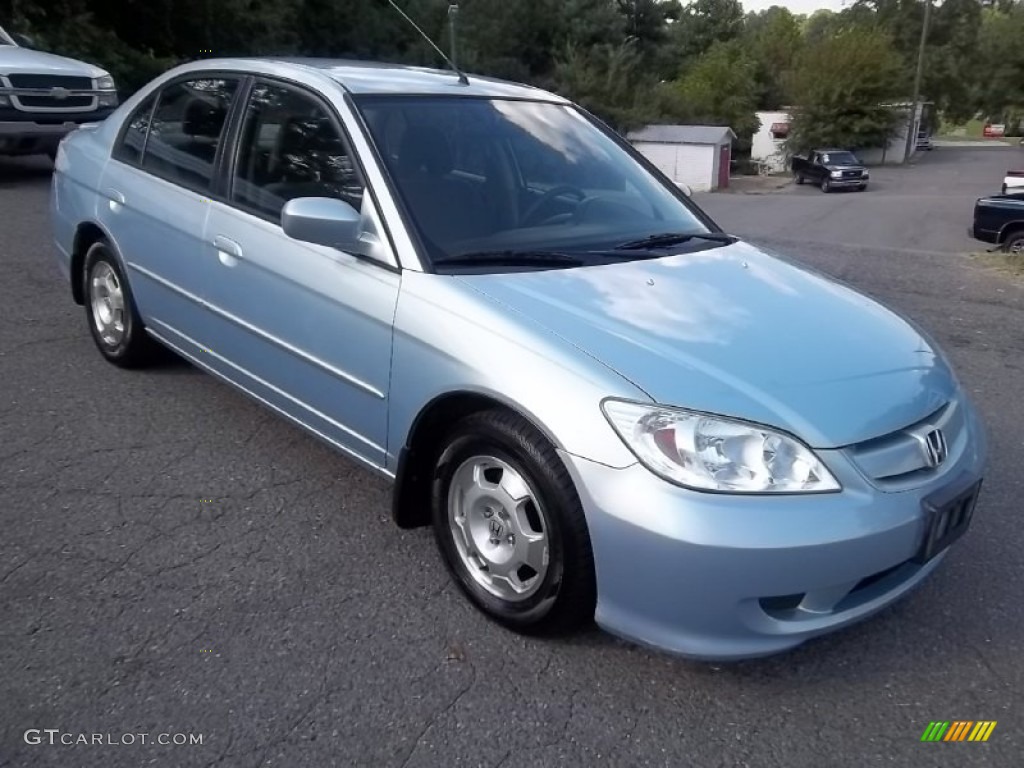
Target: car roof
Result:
[376, 77]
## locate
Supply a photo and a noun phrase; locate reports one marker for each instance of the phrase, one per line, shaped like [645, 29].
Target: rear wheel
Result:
[114, 322]
[799, 178]
[1014, 244]
[510, 526]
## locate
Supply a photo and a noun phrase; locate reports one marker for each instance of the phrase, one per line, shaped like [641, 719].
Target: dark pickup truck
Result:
[999, 219]
[830, 169]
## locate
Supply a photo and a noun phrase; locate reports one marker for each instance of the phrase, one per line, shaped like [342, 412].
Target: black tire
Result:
[826, 186]
[799, 178]
[133, 348]
[565, 598]
[1014, 244]
[862, 187]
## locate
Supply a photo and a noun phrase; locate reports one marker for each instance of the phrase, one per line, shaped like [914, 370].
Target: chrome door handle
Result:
[116, 198]
[228, 251]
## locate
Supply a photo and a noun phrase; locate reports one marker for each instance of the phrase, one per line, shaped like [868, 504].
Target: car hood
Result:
[736, 331]
[14, 60]
[845, 167]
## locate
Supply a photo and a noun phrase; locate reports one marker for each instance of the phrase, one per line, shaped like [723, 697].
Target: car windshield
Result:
[496, 177]
[840, 158]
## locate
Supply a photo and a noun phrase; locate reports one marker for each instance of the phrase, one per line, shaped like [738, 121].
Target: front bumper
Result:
[859, 182]
[24, 133]
[720, 577]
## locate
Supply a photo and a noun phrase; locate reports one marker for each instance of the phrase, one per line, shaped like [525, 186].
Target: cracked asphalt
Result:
[175, 559]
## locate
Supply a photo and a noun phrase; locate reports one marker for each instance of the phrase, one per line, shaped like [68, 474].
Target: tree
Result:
[773, 38]
[839, 89]
[701, 24]
[720, 89]
[605, 80]
[998, 91]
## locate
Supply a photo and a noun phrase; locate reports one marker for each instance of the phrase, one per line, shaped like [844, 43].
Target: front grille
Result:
[49, 102]
[851, 174]
[899, 459]
[51, 81]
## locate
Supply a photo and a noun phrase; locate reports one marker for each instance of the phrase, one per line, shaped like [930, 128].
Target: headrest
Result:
[425, 149]
[203, 119]
[309, 134]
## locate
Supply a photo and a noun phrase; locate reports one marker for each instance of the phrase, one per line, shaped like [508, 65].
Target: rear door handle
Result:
[116, 198]
[228, 251]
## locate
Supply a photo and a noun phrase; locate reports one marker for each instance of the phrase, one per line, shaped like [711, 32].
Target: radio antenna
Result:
[462, 75]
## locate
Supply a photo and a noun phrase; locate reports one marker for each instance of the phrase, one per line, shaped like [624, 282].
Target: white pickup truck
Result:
[44, 97]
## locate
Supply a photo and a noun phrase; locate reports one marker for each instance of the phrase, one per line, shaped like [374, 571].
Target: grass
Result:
[972, 130]
[1000, 261]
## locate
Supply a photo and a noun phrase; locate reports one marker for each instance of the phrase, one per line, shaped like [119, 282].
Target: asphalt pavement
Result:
[174, 559]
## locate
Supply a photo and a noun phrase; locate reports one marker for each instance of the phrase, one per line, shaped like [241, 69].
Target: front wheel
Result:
[114, 321]
[510, 526]
[826, 185]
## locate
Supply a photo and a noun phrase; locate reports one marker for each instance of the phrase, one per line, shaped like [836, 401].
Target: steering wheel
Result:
[547, 197]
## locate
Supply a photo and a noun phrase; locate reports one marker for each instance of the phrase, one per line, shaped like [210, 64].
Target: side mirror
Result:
[23, 41]
[323, 221]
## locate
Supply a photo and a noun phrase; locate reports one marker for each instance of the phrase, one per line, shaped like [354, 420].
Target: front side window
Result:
[290, 147]
[186, 130]
[494, 175]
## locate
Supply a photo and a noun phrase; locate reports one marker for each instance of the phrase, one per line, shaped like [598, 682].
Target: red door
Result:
[723, 166]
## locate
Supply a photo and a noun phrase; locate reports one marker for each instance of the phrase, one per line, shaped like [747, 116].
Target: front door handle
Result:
[116, 198]
[228, 251]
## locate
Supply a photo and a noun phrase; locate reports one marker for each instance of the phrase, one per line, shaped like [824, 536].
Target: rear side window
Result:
[186, 129]
[133, 139]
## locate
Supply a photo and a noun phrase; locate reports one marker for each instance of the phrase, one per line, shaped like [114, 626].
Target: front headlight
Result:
[712, 453]
[105, 83]
[837, 174]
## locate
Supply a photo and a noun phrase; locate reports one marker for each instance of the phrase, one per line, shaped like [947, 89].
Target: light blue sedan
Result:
[606, 407]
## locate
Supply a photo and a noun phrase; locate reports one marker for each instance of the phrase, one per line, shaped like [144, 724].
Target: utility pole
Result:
[911, 128]
[453, 11]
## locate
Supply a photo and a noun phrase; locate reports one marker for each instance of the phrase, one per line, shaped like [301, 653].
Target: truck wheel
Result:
[1014, 243]
[798, 178]
[826, 185]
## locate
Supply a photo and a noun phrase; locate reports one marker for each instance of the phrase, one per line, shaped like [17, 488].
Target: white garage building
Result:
[696, 155]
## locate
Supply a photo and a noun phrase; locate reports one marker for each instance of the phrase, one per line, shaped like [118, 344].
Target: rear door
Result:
[304, 327]
[156, 191]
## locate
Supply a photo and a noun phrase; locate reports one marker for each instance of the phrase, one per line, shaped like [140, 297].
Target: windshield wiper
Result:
[511, 258]
[674, 238]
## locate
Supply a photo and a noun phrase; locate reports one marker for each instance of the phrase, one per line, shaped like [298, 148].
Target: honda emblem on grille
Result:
[59, 93]
[935, 448]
